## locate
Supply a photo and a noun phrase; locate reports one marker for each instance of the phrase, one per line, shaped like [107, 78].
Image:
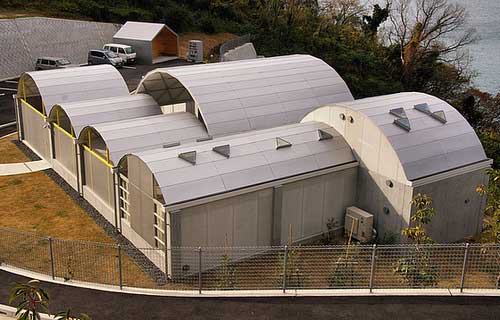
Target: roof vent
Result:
[439, 115]
[172, 144]
[398, 112]
[207, 138]
[323, 135]
[188, 156]
[403, 123]
[224, 150]
[422, 107]
[282, 143]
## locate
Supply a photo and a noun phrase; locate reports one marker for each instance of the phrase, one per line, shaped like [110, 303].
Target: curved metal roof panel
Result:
[73, 84]
[91, 112]
[429, 142]
[245, 95]
[254, 159]
[138, 134]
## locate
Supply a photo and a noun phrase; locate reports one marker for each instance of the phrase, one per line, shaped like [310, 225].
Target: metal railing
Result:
[233, 43]
[446, 266]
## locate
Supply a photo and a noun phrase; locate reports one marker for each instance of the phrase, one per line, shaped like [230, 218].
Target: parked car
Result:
[126, 52]
[48, 63]
[104, 57]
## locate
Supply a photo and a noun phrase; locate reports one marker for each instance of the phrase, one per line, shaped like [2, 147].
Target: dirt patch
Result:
[210, 41]
[9, 153]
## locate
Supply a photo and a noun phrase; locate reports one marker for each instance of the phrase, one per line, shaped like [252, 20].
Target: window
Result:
[97, 54]
[159, 226]
[45, 61]
[129, 50]
[120, 50]
[124, 199]
[63, 62]
[106, 47]
[114, 49]
[52, 62]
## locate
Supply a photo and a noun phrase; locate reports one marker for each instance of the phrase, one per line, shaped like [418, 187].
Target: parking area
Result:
[132, 75]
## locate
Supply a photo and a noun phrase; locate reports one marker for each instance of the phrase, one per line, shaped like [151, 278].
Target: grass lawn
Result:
[9, 153]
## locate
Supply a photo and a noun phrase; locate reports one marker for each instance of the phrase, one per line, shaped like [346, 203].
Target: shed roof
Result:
[254, 159]
[91, 112]
[72, 84]
[138, 134]
[238, 96]
[143, 31]
[428, 148]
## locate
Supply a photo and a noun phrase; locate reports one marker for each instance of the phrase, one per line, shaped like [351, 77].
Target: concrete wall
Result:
[459, 208]
[389, 205]
[23, 40]
[140, 198]
[35, 132]
[243, 52]
[307, 205]
[143, 49]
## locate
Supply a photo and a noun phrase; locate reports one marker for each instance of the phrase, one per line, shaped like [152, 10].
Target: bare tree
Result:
[423, 27]
[341, 12]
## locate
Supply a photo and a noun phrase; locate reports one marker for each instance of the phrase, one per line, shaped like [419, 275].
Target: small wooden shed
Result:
[153, 42]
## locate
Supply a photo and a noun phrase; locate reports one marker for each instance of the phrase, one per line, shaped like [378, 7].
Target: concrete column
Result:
[276, 221]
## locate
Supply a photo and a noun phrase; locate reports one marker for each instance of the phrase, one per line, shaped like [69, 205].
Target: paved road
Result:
[122, 306]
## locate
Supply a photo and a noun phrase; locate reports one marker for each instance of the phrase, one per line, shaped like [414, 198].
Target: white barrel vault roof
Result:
[238, 96]
[73, 84]
[134, 135]
[429, 148]
[253, 160]
[91, 112]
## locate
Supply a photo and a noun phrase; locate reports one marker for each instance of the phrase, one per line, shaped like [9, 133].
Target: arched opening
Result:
[28, 92]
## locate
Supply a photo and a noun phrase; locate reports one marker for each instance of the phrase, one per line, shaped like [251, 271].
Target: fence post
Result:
[285, 266]
[51, 259]
[372, 269]
[464, 267]
[120, 272]
[199, 271]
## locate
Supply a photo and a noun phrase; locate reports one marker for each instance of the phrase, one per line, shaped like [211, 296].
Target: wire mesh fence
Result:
[450, 266]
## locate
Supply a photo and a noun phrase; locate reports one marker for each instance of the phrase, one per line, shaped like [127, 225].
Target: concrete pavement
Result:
[7, 169]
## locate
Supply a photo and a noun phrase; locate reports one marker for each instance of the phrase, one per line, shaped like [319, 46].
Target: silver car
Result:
[104, 57]
[48, 63]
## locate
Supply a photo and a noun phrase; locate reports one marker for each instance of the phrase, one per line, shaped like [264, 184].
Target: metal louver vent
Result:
[439, 115]
[403, 123]
[398, 112]
[282, 143]
[323, 135]
[172, 144]
[422, 107]
[224, 150]
[188, 156]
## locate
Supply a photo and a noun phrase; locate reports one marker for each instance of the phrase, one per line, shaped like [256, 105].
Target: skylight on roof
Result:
[188, 156]
[403, 123]
[398, 112]
[323, 135]
[282, 143]
[224, 150]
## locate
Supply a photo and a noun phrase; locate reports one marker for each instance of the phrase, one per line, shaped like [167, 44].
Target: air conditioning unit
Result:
[359, 223]
[195, 51]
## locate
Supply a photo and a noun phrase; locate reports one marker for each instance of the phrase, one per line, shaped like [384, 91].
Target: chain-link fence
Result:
[451, 266]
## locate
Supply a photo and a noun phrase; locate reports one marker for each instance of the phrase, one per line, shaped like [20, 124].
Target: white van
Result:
[126, 52]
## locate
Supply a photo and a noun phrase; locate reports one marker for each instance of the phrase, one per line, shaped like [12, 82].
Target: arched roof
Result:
[138, 134]
[238, 96]
[432, 143]
[72, 84]
[91, 112]
[252, 158]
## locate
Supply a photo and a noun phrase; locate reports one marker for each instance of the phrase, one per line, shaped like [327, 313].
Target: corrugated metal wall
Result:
[23, 40]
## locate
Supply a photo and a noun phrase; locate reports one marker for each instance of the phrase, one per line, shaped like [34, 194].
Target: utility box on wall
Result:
[195, 51]
[359, 223]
